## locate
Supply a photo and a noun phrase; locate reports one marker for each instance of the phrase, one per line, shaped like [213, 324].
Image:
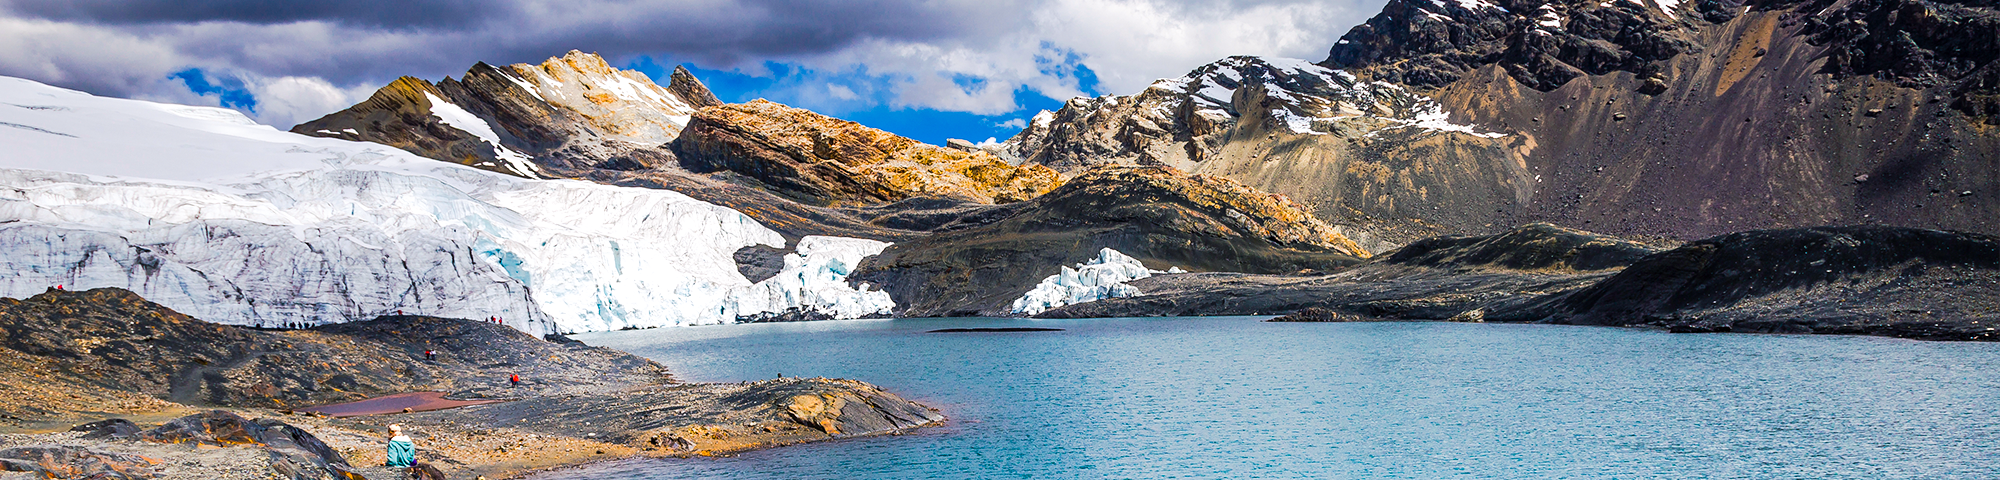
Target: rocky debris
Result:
[824, 160]
[1160, 216]
[294, 453]
[1316, 314]
[1946, 46]
[707, 419]
[57, 461]
[108, 428]
[1431, 279]
[1542, 45]
[1924, 284]
[115, 340]
[1736, 116]
[1532, 247]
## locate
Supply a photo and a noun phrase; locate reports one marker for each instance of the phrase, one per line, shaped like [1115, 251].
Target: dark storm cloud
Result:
[370, 13]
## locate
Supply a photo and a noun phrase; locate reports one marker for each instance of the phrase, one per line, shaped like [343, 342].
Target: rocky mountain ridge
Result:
[1165, 218]
[823, 160]
[1664, 119]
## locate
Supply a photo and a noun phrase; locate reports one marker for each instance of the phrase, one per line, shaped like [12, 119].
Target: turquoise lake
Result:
[1234, 397]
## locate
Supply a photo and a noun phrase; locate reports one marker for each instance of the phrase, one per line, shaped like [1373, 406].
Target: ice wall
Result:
[1100, 278]
[205, 212]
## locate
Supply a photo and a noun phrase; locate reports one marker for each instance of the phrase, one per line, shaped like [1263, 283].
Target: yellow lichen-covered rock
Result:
[834, 161]
[1246, 210]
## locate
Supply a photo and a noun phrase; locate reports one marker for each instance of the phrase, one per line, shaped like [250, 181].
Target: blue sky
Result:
[924, 124]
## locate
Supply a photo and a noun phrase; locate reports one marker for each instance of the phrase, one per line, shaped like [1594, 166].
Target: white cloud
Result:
[287, 101]
[841, 92]
[1015, 123]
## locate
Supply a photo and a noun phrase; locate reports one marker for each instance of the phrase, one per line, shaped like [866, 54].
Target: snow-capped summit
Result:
[201, 210]
[1183, 121]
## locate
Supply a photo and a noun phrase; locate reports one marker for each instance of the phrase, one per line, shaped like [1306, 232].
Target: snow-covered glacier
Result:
[1100, 278]
[206, 212]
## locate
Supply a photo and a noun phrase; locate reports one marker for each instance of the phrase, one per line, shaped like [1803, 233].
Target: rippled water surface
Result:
[1238, 398]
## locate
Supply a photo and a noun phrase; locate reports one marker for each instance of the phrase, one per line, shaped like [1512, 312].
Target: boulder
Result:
[52, 461]
[110, 428]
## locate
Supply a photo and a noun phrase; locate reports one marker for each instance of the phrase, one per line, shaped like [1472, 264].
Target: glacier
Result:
[1100, 278]
[206, 212]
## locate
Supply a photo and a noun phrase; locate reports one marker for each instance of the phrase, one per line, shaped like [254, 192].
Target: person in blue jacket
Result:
[402, 451]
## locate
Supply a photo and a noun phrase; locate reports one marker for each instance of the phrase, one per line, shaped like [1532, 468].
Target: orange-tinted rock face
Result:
[825, 160]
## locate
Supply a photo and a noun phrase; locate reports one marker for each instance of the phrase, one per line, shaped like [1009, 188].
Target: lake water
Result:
[1234, 397]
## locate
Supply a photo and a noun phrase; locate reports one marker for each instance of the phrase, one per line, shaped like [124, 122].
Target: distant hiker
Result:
[59, 288]
[401, 450]
[514, 380]
[431, 355]
[399, 311]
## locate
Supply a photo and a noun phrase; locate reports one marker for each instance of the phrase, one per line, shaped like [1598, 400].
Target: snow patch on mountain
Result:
[456, 117]
[1100, 278]
[240, 223]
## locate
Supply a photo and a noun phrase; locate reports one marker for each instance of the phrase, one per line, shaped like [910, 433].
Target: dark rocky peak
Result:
[690, 89]
[1432, 43]
[1914, 43]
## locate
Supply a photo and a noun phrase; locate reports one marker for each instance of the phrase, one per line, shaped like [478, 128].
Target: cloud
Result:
[972, 56]
[1014, 123]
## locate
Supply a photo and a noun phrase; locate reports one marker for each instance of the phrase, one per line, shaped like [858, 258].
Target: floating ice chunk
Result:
[1101, 278]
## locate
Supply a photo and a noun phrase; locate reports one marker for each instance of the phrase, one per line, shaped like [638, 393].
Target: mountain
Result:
[1635, 118]
[1162, 217]
[575, 116]
[809, 175]
[1372, 158]
[570, 112]
[210, 214]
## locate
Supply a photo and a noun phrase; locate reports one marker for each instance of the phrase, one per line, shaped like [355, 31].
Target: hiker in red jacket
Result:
[514, 380]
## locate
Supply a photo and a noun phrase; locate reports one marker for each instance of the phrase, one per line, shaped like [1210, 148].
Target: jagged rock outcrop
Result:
[1457, 277]
[1901, 282]
[824, 160]
[1160, 216]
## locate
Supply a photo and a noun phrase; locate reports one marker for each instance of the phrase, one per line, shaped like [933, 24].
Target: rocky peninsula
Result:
[107, 383]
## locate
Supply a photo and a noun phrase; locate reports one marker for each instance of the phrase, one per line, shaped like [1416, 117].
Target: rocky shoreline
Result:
[1861, 280]
[89, 356]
